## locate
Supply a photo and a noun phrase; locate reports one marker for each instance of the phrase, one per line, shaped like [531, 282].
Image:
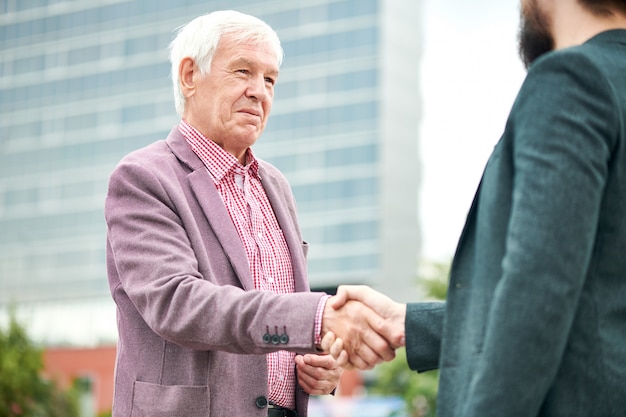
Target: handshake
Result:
[362, 327]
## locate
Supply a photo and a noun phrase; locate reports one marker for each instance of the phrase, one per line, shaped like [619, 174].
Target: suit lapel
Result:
[468, 230]
[222, 225]
[219, 220]
[213, 208]
[285, 215]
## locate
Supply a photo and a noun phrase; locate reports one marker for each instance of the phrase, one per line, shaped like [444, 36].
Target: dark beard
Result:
[534, 37]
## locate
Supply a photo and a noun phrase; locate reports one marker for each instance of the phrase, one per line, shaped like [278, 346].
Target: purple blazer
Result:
[190, 322]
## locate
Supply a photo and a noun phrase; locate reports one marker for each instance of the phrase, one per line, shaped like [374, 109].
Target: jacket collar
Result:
[216, 214]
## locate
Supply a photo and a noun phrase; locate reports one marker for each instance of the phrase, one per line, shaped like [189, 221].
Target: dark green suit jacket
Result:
[535, 320]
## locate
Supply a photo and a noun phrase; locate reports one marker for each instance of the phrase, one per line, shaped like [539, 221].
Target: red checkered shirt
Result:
[268, 255]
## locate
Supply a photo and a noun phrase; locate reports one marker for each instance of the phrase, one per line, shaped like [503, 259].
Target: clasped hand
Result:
[362, 327]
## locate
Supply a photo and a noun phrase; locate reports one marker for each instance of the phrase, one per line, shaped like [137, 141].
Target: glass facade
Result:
[84, 82]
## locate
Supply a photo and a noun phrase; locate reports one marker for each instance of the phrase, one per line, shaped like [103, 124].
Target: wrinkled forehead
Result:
[248, 49]
[253, 42]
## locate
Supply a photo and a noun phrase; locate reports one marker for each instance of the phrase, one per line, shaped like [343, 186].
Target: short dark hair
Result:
[604, 7]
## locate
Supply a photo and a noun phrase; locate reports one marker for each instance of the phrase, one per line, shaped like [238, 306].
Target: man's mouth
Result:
[251, 112]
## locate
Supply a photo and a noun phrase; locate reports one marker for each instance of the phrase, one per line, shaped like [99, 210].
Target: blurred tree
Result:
[418, 390]
[24, 392]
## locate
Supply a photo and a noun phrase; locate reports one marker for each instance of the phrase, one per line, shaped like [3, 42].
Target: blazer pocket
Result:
[152, 400]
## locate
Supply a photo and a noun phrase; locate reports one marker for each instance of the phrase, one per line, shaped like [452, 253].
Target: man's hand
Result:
[355, 324]
[388, 322]
[318, 374]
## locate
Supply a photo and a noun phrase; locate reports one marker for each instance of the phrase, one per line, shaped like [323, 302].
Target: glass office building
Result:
[83, 82]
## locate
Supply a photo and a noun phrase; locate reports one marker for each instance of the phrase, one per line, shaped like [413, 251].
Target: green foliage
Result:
[23, 391]
[434, 280]
[418, 390]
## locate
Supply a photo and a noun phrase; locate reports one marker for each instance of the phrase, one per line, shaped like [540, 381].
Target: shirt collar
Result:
[217, 160]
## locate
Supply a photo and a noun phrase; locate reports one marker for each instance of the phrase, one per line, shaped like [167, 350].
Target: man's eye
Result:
[270, 80]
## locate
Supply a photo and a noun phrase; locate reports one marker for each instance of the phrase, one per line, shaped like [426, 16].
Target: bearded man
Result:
[535, 319]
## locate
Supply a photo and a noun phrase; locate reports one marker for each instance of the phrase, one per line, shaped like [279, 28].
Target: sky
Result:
[470, 76]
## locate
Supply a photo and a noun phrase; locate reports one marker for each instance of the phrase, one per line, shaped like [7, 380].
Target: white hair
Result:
[199, 38]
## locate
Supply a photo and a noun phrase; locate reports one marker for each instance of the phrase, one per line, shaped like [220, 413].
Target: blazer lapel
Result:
[468, 230]
[222, 225]
[213, 208]
[285, 215]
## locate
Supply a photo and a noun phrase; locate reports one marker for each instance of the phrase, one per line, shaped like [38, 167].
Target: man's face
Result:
[535, 36]
[231, 104]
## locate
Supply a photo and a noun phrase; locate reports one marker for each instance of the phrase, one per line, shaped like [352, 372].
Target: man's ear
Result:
[186, 71]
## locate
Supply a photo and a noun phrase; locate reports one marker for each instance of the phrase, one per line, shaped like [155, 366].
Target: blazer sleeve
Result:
[423, 328]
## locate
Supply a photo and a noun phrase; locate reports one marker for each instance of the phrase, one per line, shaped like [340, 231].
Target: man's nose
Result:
[257, 88]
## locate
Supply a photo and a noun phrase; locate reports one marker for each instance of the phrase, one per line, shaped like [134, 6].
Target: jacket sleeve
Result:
[423, 328]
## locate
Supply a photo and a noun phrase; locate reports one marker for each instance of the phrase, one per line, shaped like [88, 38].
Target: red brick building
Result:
[94, 365]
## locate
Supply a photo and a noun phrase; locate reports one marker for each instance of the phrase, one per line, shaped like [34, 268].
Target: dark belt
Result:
[276, 411]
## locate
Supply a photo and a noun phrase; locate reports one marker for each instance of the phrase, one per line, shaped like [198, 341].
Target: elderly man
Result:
[205, 259]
